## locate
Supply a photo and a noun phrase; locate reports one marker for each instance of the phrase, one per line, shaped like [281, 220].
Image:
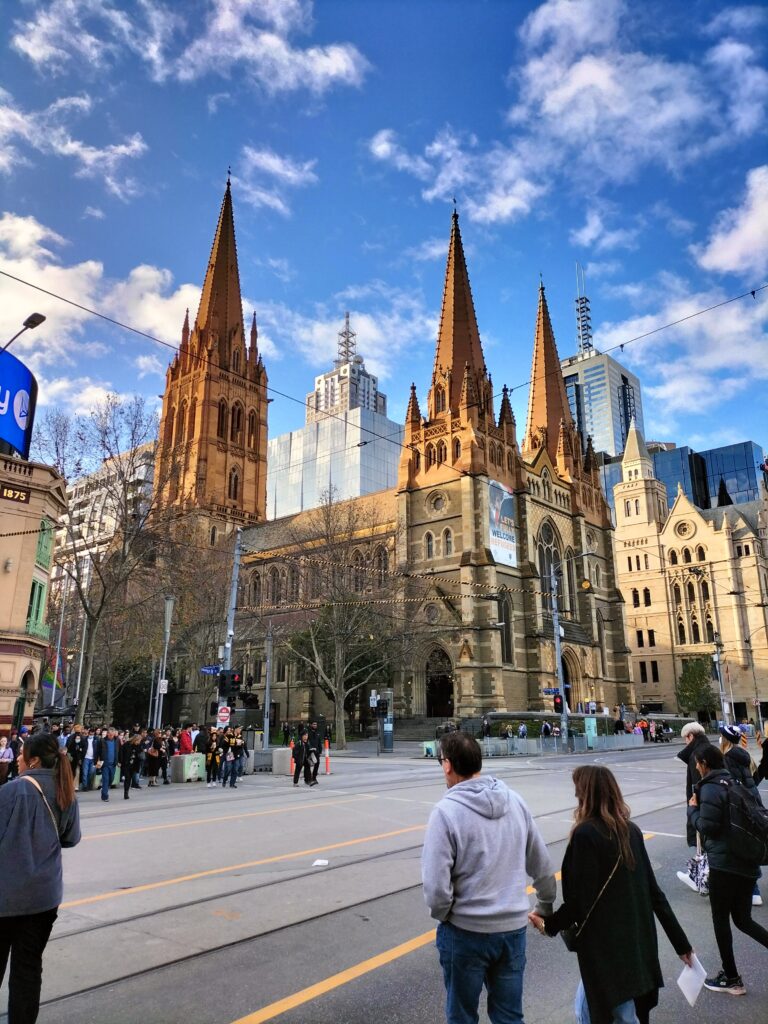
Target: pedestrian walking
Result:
[38, 816]
[610, 899]
[315, 750]
[731, 879]
[14, 743]
[695, 740]
[153, 748]
[130, 762]
[230, 749]
[108, 753]
[242, 759]
[286, 734]
[6, 759]
[301, 759]
[212, 758]
[739, 763]
[90, 757]
[480, 848]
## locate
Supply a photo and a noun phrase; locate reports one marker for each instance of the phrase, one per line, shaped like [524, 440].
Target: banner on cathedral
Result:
[501, 515]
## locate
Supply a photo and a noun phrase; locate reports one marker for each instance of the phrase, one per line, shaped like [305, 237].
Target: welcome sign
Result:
[18, 397]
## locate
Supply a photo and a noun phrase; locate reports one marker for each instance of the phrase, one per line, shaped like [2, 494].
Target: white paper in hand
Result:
[691, 981]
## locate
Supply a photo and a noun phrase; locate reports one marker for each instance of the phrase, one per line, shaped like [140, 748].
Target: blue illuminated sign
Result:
[18, 396]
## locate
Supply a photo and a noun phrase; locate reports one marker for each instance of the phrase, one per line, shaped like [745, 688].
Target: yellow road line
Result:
[308, 806]
[306, 995]
[148, 886]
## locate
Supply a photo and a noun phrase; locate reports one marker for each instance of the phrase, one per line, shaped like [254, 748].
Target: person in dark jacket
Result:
[731, 880]
[741, 766]
[38, 816]
[617, 949]
[762, 768]
[130, 764]
[316, 748]
[302, 759]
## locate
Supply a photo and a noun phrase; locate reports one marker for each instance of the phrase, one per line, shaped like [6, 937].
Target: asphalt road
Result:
[272, 904]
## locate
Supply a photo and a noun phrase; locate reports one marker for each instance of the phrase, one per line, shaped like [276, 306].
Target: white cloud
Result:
[76, 395]
[281, 268]
[738, 242]
[215, 100]
[595, 235]
[601, 268]
[746, 18]
[430, 249]
[697, 365]
[266, 177]
[93, 211]
[385, 147]
[149, 365]
[47, 131]
[250, 38]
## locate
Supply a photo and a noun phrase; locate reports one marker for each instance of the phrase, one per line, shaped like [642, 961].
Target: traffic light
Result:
[558, 701]
[382, 707]
[235, 679]
[224, 686]
[229, 685]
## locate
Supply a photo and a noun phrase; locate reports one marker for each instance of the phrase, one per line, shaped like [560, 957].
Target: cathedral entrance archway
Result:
[572, 680]
[439, 684]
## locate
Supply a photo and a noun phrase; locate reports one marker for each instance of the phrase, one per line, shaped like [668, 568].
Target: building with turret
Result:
[694, 581]
[212, 447]
[476, 529]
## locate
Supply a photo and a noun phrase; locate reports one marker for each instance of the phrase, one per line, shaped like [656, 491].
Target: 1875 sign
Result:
[19, 494]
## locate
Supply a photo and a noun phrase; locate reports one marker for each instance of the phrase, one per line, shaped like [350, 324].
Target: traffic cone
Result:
[293, 763]
[327, 758]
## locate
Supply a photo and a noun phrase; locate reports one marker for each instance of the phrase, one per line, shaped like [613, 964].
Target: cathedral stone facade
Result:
[212, 452]
[480, 528]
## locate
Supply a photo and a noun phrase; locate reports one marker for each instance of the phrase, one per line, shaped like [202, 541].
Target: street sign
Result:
[549, 690]
[222, 718]
[372, 700]
[162, 686]
[210, 670]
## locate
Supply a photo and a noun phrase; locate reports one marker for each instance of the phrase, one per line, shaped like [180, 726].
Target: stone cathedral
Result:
[477, 521]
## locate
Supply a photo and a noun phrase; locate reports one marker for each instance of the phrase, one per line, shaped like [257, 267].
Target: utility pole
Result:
[64, 596]
[162, 682]
[558, 658]
[718, 671]
[232, 606]
[150, 715]
[268, 650]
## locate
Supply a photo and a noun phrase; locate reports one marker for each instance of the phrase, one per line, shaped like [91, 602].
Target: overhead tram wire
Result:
[459, 472]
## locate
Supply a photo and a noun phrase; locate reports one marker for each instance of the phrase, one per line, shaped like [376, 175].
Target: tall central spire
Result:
[547, 401]
[458, 339]
[221, 306]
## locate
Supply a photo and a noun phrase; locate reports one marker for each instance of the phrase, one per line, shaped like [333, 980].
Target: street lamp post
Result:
[558, 657]
[716, 658]
[32, 321]
[162, 681]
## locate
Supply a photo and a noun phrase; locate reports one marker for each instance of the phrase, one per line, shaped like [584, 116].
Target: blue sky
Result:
[630, 137]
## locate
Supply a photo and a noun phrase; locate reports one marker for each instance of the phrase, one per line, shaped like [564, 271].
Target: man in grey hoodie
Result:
[481, 847]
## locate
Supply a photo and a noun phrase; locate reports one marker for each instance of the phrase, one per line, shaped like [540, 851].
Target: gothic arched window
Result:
[447, 542]
[293, 585]
[548, 554]
[169, 426]
[192, 418]
[439, 400]
[676, 593]
[381, 563]
[181, 423]
[686, 554]
[695, 633]
[710, 631]
[429, 545]
[442, 452]
[700, 555]
[221, 423]
[673, 558]
[456, 450]
[256, 589]
[236, 429]
[251, 429]
[507, 647]
[704, 590]
[233, 490]
[680, 631]
[646, 597]
[358, 572]
[635, 598]
[691, 593]
[236, 360]
[430, 456]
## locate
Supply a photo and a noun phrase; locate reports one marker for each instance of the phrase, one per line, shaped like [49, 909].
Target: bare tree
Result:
[108, 527]
[344, 616]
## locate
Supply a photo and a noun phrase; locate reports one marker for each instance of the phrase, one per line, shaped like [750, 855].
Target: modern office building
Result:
[604, 398]
[715, 477]
[347, 447]
[347, 386]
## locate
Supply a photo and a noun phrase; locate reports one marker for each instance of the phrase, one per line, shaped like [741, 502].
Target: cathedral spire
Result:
[413, 413]
[547, 401]
[505, 412]
[636, 462]
[458, 339]
[221, 308]
[185, 332]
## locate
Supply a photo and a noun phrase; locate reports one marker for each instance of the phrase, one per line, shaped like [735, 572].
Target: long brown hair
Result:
[600, 799]
[46, 747]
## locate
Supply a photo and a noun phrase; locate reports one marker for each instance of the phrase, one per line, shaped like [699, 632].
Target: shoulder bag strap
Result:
[39, 789]
[597, 898]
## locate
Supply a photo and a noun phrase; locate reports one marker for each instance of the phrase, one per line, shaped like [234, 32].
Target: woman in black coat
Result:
[731, 880]
[617, 947]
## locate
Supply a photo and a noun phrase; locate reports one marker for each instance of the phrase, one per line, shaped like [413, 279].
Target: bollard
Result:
[293, 766]
[327, 758]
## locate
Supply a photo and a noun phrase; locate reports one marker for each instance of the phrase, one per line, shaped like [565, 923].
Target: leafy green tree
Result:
[694, 688]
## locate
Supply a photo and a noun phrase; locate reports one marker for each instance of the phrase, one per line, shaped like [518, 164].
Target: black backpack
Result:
[748, 824]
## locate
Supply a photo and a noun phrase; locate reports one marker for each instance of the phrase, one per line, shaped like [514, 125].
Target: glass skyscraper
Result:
[604, 398]
[716, 476]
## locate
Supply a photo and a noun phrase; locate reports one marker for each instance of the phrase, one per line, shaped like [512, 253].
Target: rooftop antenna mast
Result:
[347, 343]
[583, 315]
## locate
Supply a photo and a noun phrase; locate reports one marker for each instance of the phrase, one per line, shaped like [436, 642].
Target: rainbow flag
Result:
[53, 682]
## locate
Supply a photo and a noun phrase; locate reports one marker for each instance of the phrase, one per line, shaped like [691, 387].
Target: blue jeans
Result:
[472, 959]
[622, 1014]
[107, 774]
[87, 772]
[230, 772]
